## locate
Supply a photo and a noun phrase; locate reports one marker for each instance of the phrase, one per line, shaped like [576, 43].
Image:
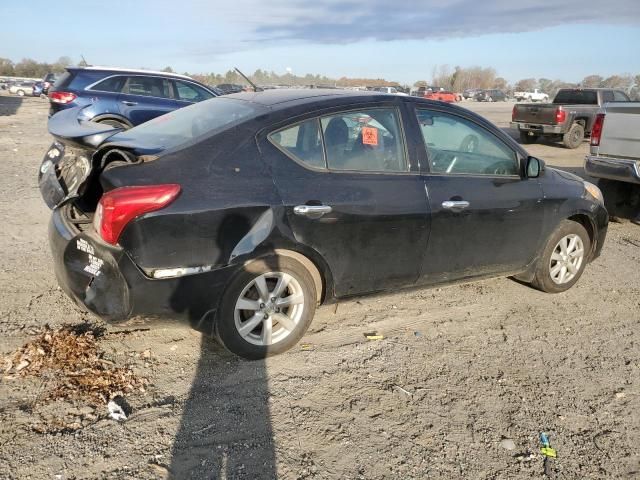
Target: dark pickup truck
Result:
[569, 117]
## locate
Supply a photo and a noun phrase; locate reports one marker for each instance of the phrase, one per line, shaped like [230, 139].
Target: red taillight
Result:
[561, 115]
[118, 207]
[513, 114]
[596, 130]
[62, 97]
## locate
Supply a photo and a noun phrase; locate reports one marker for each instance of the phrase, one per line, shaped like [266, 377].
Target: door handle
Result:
[312, 211]
[128, 103]
[455, 204]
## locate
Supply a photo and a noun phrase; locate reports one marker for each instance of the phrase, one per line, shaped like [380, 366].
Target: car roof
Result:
[274, 97]
[130, 70]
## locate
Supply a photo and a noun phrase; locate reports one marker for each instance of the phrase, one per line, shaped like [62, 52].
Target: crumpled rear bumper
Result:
[104, 280]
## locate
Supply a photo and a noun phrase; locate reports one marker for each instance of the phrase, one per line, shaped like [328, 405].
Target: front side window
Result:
[191, 93]
[367, 140]
[457, 146]
[302, 141]
[619, 96]
[148, 86]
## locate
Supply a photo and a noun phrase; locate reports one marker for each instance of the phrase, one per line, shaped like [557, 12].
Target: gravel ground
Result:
[460, 387]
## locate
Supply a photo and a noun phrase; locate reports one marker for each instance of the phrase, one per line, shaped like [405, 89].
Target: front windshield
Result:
[185, 124]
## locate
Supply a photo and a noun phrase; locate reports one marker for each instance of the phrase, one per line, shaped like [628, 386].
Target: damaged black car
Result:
[244, 213]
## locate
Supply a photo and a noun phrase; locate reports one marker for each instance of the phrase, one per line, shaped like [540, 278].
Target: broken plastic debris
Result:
[307, 347]
[374, 336]
[116, 409]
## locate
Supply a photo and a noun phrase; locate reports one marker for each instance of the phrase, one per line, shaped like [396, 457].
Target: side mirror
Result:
[535, 166]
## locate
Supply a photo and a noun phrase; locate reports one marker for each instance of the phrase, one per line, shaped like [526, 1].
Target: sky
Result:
[400, 41]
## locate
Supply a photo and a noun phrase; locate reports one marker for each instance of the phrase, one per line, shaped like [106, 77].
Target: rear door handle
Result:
[128, 103]
[312, 211]
[455, 204]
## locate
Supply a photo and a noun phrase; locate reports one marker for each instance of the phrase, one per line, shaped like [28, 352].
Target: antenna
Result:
[86, 64]
[255, 88]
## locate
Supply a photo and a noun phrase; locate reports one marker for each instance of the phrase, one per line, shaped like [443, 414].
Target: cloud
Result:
[351, 21]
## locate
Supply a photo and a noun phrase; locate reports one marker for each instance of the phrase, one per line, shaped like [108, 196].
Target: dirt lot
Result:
[460, 387]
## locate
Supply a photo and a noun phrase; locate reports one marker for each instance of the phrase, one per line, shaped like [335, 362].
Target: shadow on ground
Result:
[225, 430]
[9, 105]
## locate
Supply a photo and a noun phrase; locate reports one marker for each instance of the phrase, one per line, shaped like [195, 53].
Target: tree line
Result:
[456, 79]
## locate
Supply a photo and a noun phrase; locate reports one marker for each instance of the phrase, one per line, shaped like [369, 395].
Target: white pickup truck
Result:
[535, 96]
[614, 157]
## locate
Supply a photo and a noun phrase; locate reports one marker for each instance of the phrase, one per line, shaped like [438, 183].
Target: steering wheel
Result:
[500, 168]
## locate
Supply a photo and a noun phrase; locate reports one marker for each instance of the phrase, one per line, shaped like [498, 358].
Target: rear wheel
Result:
[267, 308]
[573, 138]
[563, 259]
[526, 138]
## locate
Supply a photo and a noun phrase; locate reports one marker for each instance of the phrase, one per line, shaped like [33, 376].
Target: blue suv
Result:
[124, 98]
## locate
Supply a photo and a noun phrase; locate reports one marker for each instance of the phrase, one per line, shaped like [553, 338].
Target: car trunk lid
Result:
[68, 163]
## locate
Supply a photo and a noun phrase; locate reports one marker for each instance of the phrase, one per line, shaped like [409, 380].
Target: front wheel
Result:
[266, 308]
[563, 259]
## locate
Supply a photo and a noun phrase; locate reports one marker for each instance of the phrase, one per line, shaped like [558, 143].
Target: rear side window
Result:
[83, 78]
[367, 141]
[111, 84]
[147, 86]
[576, 97]
[302, 141]
[458, 146]
[191, 93]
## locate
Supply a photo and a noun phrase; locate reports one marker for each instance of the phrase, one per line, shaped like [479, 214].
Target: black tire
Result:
[573, 138]
[225, 329]
[542, 279]
[114, 123]
[526, 138]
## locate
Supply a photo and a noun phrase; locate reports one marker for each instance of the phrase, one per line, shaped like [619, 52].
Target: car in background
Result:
[569, 117]
[49, 80]
[229, 88]
[123, 98]
[614, 157]
[535, 96]
[470, 93]
[246, 212]
[391, 90]
[442, 96]
[22, 88]
[493, 95]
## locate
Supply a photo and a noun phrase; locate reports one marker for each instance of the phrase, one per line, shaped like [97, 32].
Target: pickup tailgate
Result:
[544, 114]
[621, 131]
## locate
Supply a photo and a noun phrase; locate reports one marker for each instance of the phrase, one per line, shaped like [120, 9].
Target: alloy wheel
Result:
[566, 259]
[269, 308]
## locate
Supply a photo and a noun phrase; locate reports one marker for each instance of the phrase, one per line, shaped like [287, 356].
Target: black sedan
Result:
[491, 96]
[246, 212]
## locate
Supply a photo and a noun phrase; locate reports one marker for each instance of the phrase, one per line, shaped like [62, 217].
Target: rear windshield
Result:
[185, 124]
[576, 97]
[79, 79]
